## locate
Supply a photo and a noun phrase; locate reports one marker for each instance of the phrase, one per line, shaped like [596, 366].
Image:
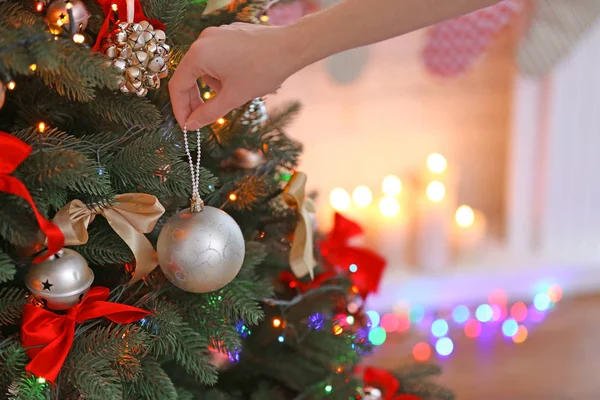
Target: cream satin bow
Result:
[131, 215]
[302, 260]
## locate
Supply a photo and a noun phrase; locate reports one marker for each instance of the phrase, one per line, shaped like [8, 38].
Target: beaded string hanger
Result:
[197, 204]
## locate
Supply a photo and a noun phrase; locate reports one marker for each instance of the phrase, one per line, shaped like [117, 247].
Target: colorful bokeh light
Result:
[390, 322]
[417, 313]
[439, 328]
[422, 352]
[377, 336]
[498, 312]
[541, 301]
[498, 296]
[555, 293]
[461, 314]
[444, 346]
[510, 327]
[374, 318]
[472, 329]
[403, 323]
[484, 313]
[519, 311]
[521, 335]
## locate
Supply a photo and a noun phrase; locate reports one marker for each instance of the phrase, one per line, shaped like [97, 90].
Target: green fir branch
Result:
[12, 300]
[121, 345]
[93, 376]
[169, 12]
[7, 268]
[12, 361]
[125, 110]
[178, 341]
[241, 297]
[17, 224]
[249, 190]
[65, 169]
[28, 388]
[183, 394]
[155, 383]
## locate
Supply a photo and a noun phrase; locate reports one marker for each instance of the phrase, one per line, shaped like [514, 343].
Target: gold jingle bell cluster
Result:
[140, 54]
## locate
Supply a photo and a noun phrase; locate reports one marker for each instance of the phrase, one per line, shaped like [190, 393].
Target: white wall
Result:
[554, 188]
[395, 113]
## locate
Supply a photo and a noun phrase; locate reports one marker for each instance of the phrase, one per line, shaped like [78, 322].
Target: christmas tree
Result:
[95, 175]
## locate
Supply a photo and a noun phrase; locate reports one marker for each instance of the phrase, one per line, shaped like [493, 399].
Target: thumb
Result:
[209, 112]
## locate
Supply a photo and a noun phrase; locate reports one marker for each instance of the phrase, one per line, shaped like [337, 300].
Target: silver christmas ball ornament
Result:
[61, 281]
[200, 252]
[372, 393]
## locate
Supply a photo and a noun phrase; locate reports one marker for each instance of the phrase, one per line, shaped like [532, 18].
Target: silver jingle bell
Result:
[61, 281]
[162, 49]
[140, 58]
[156, 64]
[134, 27]
[126, 52]
[160, 35]
[141, 92]
[146, 26]
[151, 81]
[164, 72]
[120, 64]
[136, 40]
[200, 252]
[372, 393]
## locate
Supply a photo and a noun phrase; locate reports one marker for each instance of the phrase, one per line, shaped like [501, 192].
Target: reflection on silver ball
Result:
[372, 393]
[61, 281]
[201, 252]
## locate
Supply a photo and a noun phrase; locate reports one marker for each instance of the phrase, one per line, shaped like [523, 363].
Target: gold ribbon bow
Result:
[302, 260]
[130, 216]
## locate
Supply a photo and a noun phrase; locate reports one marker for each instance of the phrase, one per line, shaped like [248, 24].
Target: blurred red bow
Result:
[386, 382]
[340, 255]
[14, 152]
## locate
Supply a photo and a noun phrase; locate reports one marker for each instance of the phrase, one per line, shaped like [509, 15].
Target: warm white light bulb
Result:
[389, 207]
[465, 216]
[436, 191]
[339, 199]
[362, 196]
[391, 185]
[78, 38]
[437, 163]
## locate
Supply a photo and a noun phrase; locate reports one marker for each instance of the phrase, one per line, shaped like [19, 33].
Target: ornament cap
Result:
[196, 205]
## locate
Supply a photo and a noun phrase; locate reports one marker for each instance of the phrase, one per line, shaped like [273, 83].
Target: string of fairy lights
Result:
[439, 330]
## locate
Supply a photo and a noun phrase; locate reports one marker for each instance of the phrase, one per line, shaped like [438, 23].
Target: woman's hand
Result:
[238, 61]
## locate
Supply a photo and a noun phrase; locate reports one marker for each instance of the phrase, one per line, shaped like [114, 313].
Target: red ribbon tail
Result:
[56, 240]
[103, 31]
[138, 15]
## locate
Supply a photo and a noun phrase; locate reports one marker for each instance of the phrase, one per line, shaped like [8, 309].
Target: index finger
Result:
[182, 84]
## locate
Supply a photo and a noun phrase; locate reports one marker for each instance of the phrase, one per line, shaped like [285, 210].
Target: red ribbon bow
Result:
[13, 153]
[386, 382]
[49, 336]
[340, 255]
[138, 15]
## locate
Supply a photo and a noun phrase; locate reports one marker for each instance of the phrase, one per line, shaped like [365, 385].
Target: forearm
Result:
[354, 23]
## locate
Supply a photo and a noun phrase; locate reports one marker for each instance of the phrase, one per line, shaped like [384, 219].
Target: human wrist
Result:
[302, 44]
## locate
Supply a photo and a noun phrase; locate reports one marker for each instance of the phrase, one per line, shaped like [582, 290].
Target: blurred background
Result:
[468, 154]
